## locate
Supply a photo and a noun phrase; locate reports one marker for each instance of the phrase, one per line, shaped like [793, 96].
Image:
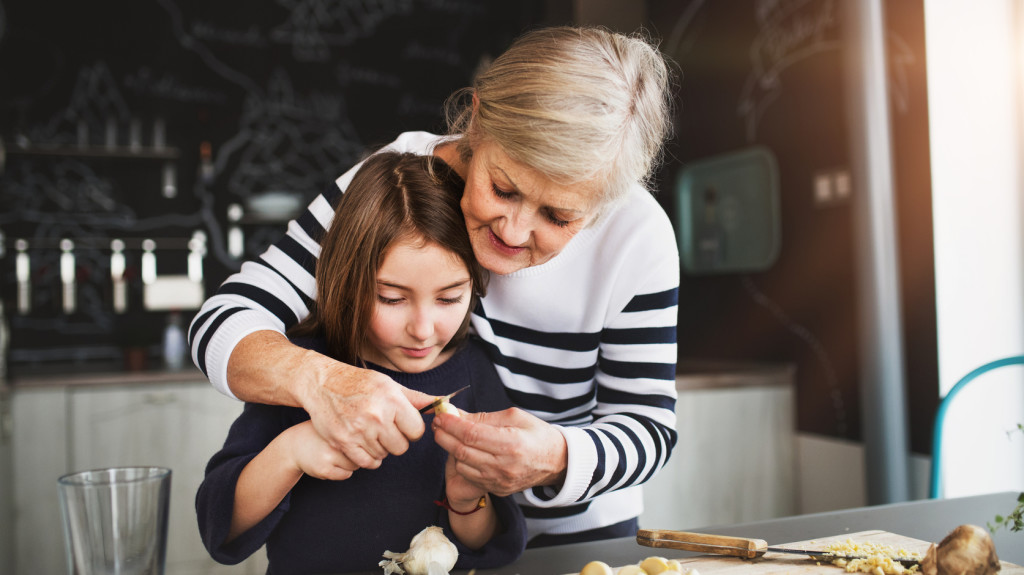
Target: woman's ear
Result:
[476, 102]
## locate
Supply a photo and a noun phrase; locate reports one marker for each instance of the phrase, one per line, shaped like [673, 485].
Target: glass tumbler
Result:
[115, 520]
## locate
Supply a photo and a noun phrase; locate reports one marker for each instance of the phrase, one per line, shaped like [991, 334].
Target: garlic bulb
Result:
[966, 550]
[430, 553]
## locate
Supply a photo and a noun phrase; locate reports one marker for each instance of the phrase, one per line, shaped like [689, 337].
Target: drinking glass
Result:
[115, 520]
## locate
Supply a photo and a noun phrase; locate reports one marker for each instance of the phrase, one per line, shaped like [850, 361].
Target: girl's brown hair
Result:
[392, 197]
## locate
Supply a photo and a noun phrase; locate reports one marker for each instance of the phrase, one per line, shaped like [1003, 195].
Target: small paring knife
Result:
[441, 400]
[736, 546]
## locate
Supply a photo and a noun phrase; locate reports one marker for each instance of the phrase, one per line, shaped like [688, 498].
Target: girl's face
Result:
[423, 295]
[516, 216]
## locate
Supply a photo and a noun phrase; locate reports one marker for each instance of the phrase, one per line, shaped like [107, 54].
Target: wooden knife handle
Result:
[702, 542]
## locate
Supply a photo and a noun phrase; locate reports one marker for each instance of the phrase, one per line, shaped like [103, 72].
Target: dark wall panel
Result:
[772, 74]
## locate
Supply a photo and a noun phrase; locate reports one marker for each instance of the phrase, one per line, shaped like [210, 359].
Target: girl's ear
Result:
[476, 102]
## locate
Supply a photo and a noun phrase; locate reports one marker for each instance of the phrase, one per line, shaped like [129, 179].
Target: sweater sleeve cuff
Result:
[578, 473]
[223, 343]
[505, 547]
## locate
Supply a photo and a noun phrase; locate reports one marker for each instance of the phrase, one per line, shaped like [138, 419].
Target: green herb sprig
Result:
[1015, 520]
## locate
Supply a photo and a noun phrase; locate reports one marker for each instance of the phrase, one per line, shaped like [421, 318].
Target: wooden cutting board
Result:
[781, 563]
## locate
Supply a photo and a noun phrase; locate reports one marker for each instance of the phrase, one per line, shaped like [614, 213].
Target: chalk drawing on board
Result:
[287, 142]
[63, 190]
[680, 39]
[95, 100]
[164, 85]
[252, 37]
[70, 188]
[66, 198]
[463, 8]
[192, 43]
[789, 31]
[348, 74]
[313, 27]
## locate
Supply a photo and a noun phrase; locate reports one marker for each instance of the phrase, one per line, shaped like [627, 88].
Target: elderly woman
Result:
[555, 141]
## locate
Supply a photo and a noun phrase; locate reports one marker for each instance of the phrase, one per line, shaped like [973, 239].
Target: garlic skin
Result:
[430, 553]
[967, 550]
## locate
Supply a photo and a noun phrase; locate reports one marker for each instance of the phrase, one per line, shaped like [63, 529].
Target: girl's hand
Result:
[311, 454]
[462, 495]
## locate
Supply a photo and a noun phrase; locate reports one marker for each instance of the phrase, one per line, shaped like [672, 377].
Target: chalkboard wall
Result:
[150, 119]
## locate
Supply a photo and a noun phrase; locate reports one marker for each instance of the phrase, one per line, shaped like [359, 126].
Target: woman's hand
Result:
[310, 454]
[503, 452]
[364, 413]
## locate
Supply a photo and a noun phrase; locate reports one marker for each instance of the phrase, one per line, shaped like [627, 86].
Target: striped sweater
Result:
[585, 341]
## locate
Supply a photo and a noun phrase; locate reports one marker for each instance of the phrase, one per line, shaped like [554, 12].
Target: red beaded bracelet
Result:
[479, 505]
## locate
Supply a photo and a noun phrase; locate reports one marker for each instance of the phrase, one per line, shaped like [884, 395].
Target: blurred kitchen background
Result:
[844, 180]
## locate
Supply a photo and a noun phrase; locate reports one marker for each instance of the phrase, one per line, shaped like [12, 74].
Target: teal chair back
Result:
[935, 488]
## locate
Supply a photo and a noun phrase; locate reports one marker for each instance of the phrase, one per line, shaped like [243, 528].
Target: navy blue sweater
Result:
[342, 526]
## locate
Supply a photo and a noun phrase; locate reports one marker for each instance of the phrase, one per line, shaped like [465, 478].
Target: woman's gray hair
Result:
[578, 104]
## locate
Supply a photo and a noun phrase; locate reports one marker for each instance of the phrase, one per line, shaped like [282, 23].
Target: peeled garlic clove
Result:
[693, 572]
[674, 565]
[445, 407]
[654, 565]
[596, 568]
[632, 570]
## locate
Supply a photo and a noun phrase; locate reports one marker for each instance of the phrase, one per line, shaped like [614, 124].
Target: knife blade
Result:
[441, 399]
[737, 546]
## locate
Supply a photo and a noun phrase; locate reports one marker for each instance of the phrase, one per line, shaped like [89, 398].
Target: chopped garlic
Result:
[878, 560]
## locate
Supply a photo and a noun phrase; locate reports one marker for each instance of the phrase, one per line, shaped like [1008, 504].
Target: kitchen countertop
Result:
[64, 377]
[690, 375]
[695, 374]
[927, 520]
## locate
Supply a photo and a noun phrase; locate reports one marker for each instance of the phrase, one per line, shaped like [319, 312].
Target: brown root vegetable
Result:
[967, 550]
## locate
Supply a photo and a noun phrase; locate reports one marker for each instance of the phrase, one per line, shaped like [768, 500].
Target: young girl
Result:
[396, 279]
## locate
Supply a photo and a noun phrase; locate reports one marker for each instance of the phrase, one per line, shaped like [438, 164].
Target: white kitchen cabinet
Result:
[39, 448]
[735, 459]
[63, 428]
[6, 473]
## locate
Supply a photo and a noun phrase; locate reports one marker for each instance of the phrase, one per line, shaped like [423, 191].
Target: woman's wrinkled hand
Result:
[364, 414]
[503, 452]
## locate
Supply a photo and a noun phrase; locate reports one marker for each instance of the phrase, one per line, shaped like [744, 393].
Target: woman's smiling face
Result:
[517, 217]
